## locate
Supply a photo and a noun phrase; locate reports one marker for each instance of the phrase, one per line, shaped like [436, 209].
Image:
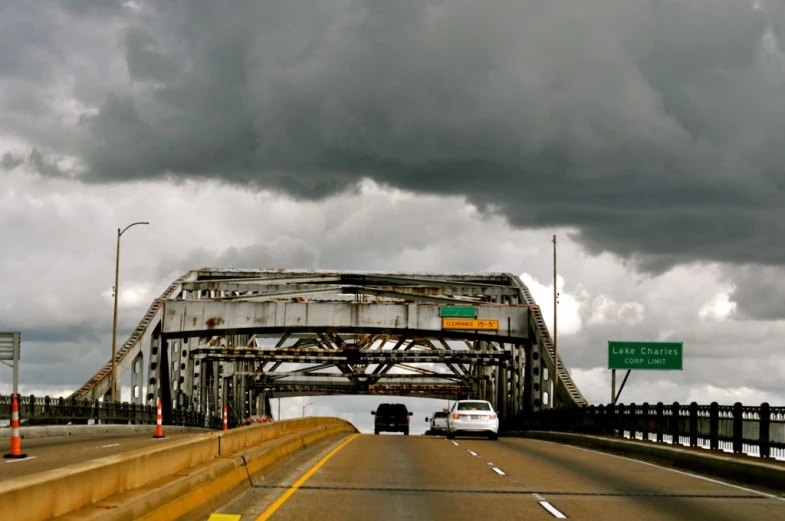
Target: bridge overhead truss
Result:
[241, 337]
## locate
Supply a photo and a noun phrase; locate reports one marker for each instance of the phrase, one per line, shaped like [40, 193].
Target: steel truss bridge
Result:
[242, 337]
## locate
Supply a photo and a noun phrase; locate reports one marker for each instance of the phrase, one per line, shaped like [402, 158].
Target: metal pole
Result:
[613, 386]
[17, 352]
[555, 330]
[113, 381]
[622, 385]
[279, 410]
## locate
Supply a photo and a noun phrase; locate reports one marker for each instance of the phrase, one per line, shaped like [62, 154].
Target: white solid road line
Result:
[552, 509]
[113, 445]
[704, 478]
[499, 471]
[21, 459]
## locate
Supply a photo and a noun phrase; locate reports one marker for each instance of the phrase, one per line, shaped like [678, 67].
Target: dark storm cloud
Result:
[654, 128]
[759, 292]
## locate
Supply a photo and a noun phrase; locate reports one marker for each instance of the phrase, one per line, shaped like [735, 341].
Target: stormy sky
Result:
[438, 135]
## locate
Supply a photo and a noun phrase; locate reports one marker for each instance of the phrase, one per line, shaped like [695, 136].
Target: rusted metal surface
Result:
[194, 317]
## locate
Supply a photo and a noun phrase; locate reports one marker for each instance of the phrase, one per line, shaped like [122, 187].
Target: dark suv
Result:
[391, 417]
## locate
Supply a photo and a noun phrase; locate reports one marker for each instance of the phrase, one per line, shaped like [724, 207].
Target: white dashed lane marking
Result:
[471, 452]
[498, 471]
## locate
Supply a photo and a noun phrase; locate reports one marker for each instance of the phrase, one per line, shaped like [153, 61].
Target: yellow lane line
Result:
[286, 495]
[225, 517]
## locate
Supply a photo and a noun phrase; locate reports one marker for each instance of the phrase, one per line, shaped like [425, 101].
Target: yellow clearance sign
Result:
[468, 323]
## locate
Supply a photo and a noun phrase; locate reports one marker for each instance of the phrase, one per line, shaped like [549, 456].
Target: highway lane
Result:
[55, 452]
[394, 477]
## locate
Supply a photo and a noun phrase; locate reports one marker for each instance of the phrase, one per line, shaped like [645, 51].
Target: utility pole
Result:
[555, 330]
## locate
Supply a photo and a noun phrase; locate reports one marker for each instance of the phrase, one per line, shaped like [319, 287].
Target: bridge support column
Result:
[137, 379]
[188, 370]
[165, 383]
[536, 383]
[154, 367]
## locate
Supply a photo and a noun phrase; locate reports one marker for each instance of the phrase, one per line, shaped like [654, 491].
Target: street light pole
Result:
[555, 352]
[114, 321]
[304, 406]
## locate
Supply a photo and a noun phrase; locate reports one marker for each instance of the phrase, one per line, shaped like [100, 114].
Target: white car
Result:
[438, 421]
[473, 417]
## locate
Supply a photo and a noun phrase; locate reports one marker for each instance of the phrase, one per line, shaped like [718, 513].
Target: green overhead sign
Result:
[645, 355]
[458, 311]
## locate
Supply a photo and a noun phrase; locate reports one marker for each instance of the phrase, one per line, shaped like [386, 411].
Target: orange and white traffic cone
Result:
[16, 443]
[226, 419]
[159, 422]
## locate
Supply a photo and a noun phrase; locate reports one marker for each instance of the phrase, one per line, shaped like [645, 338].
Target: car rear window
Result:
[397, 409]
[440, 415]
[468, 406]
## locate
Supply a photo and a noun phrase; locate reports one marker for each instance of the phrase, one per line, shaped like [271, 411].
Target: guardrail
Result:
[737, 428]
[61, 411]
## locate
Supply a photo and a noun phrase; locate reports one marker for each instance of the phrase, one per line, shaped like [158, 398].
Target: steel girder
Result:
[240, 336]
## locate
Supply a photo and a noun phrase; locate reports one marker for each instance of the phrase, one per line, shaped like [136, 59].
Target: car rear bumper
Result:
[473, 426]
[391, 427]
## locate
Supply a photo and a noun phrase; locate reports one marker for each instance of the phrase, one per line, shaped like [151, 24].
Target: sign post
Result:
[9, 350]
[663, 356]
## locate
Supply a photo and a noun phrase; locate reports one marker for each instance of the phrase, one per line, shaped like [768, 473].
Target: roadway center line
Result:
[21, 459]
[113, 445]
[297, 484]
[704, 478]
[498, 471]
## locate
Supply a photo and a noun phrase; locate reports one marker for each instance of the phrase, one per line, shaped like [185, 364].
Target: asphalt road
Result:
[55, 452]
[414, 477]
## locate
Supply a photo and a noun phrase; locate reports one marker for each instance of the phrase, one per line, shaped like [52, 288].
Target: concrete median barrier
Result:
[182, 474]
[735, 467]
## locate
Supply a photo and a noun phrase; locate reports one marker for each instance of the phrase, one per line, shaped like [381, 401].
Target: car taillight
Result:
[456, 416]
[493, 416]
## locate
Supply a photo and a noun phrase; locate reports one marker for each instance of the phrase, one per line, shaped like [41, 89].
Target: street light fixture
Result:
[116, 293]
[304, 406]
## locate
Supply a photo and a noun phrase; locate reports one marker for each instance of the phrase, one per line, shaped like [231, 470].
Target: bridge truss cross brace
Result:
[234, 370]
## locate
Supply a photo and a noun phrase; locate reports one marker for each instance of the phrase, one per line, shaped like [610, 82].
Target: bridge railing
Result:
[753, 430]
[60, 411]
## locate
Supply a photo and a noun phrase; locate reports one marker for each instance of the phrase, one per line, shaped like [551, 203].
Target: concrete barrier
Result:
[166, 505]
[204, 460]
[56, 492]
[739, 468]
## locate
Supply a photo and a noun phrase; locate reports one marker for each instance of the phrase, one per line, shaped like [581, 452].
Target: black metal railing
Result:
[734, 428]
[62, 411]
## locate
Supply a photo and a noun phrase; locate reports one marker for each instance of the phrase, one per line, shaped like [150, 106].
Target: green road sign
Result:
[458, 311]
[645, 355]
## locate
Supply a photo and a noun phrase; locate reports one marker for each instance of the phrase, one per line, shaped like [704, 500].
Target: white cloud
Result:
[569, 316]
[718, 308]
